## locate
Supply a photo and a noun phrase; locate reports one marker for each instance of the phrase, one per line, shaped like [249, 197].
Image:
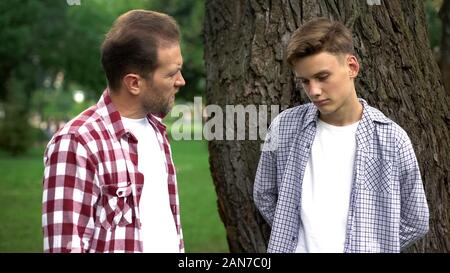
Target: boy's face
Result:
[328, 80]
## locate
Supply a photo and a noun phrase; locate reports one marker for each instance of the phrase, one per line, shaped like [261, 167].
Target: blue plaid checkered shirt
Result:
[388, 209]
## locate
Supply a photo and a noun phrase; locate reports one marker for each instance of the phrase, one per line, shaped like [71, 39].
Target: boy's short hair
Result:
[131, 45]
[319, 35]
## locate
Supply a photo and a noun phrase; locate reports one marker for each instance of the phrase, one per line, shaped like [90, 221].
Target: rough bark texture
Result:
[245, 45]
[444, 62]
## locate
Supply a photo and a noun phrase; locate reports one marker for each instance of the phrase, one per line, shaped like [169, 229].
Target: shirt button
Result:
[120, 192]
[293, 238]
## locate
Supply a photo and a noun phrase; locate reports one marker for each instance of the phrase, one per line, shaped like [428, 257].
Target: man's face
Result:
[328, 80]
[158, 94]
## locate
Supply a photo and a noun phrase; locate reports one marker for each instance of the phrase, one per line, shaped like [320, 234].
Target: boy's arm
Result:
[414, 208]
[265, 191]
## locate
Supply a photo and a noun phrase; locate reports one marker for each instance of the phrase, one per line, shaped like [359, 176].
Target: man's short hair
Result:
[131, 45]
[319, 35]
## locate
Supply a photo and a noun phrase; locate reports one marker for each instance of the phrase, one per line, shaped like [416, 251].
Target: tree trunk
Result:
[444, 62]
[245, 45]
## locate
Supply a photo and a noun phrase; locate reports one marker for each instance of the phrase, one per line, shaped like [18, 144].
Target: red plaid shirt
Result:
[92, 185]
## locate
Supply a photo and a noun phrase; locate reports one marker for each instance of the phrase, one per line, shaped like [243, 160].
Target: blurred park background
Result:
[50, 71]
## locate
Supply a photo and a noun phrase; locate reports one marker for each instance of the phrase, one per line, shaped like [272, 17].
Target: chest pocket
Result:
[116, 206]
[377, 175]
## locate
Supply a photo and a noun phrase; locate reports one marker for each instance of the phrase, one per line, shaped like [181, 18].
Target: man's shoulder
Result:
[81, 124]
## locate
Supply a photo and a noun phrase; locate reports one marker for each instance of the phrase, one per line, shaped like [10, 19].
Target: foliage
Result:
[30, 40]
[15, 132]
[432, 8]
[42, 40]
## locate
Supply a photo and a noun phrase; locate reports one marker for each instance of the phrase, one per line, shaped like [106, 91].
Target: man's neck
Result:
[126, 104]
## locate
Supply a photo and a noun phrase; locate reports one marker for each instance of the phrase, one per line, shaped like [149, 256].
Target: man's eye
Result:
[304, 81]
[173, 74]
[322, 77]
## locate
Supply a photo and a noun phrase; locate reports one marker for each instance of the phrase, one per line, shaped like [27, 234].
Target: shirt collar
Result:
[373, 114]
[109, 113]
[370, 114]
[311, 115]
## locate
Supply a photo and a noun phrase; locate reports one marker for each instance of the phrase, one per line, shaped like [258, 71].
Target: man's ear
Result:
[353, 65]
[131, 83]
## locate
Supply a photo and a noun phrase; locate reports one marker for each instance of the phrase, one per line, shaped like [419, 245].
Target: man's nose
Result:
[180, 81]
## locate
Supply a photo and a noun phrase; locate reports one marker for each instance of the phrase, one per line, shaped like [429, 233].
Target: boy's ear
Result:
[353, 66]
[131, 83]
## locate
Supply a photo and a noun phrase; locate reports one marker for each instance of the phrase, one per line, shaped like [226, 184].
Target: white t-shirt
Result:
[158, 230]
[326, 189]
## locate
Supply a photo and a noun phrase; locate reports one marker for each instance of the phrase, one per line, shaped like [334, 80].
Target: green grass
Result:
[21, 193]
[202, 228]
[20, 200]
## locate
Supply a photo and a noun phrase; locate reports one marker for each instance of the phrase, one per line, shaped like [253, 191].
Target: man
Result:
[336, 175]
[109, 182]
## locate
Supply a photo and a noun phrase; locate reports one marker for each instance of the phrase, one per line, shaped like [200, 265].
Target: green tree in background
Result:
[28, 34]
[432, 8]
[50, 48]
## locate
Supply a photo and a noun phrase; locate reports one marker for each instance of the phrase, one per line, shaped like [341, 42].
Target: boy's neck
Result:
[346, 115]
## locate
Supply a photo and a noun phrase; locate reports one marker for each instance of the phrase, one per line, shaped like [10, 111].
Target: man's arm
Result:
[414, 207]
[265, 190]
[68, 197]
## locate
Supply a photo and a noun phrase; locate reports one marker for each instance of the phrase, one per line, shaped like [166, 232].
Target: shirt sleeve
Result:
[414, 207]
[69, 195]
[265, 190]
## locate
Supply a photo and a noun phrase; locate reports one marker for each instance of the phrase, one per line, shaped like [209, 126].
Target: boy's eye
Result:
[322, 77]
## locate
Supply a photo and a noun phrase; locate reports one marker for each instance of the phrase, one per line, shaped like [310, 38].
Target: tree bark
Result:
[444, 62]
[245, 45]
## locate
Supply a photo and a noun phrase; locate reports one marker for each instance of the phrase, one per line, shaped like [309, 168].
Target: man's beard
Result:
[159, 109]
[161, 106]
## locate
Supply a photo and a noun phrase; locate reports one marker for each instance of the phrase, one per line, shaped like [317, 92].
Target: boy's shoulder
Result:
[308, 112]
[384, 125]
[298, 114]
